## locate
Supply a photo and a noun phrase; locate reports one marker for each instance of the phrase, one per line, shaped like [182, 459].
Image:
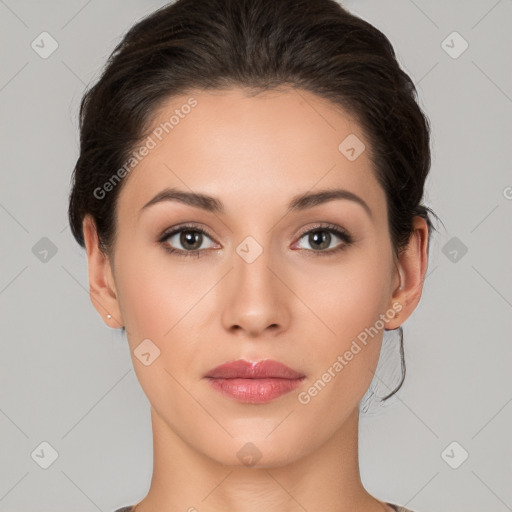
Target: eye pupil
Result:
[322, 238]
[191, 237]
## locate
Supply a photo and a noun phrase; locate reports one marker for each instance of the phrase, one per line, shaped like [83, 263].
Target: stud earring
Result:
[109, 316]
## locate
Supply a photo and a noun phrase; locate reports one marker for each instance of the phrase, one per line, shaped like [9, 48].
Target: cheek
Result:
[169, 302]
[160, 302]
[157, 291]
[347, 302]
[350, 296]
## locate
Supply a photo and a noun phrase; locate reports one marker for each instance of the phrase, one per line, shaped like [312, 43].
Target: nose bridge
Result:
[251, 266]
[256, 299]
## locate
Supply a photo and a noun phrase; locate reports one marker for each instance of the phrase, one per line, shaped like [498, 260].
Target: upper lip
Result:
[243, 369]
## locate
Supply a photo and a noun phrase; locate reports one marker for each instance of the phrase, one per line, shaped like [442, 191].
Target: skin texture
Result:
[291, 304]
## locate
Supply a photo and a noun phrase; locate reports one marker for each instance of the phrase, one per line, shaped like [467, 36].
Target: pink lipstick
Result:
[254, 383]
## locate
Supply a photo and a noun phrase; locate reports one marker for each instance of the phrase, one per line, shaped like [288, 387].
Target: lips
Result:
[265, 369]
[254, 383]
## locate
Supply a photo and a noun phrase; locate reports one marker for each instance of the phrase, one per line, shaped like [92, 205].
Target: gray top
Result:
[398, 508]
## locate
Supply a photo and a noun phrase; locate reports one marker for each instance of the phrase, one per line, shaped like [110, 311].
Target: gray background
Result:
[67, 379]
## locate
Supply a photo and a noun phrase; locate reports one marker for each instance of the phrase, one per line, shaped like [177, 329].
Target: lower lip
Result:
[254, 391]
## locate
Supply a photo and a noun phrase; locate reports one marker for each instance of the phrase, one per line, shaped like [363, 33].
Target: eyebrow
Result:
[212, 204]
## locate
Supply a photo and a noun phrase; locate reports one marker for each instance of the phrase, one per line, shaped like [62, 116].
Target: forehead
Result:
[245, 149]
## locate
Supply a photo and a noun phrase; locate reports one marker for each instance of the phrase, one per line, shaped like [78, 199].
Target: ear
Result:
[102, 289]
[411, 268]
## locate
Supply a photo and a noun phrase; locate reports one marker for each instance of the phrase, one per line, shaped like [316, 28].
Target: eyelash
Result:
[331, 228]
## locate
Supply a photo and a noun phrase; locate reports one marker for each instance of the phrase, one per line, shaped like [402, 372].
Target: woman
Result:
[249, 193]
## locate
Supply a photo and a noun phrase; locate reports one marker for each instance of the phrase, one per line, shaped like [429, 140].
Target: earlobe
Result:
[102, 291]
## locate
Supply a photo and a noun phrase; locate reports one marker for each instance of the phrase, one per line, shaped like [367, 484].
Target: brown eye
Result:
[322, 238]
[186, 241]
[191, 239]
[319, 239]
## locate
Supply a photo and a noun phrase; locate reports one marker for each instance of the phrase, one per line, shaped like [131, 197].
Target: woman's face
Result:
[262, 286]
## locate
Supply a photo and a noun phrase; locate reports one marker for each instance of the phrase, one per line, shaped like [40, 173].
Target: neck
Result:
[326, 479]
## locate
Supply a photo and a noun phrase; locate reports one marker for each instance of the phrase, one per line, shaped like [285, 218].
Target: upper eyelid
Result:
[177, 229]
[327, 226]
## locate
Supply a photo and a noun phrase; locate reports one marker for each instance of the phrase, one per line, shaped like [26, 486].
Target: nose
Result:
[255, 298]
